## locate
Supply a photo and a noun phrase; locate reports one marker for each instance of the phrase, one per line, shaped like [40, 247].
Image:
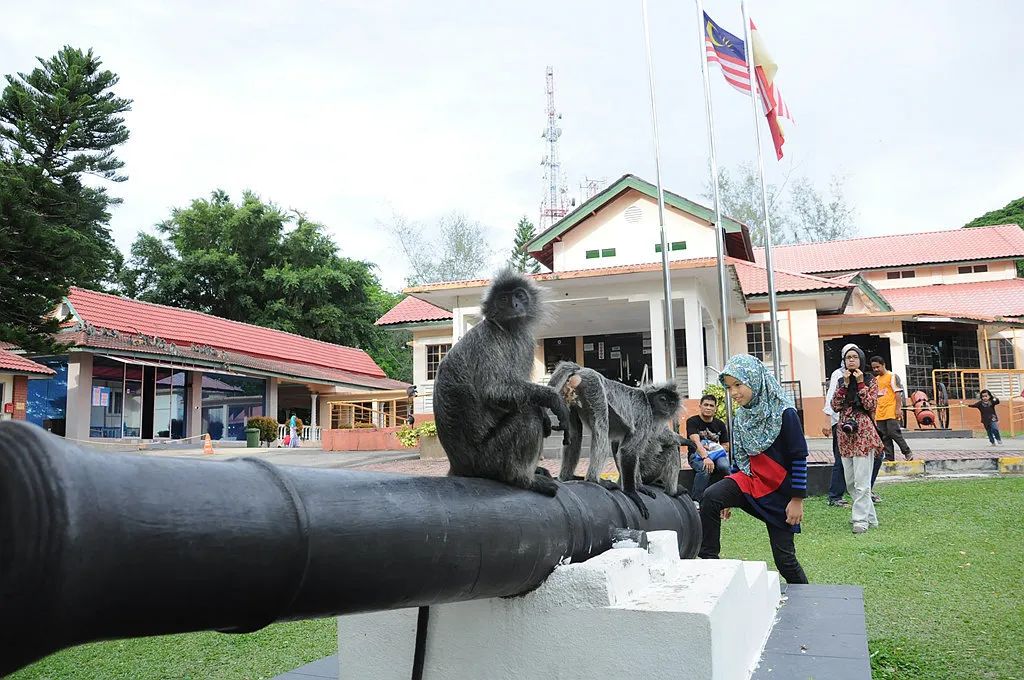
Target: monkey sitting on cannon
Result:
[661, 464]
[623, 422]
[491, 420]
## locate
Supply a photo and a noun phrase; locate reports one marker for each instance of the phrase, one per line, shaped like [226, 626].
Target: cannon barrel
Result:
[99, 546]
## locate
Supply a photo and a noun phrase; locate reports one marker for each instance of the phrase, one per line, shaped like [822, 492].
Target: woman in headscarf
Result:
[837, 486]
[769, 451]
[854, 401]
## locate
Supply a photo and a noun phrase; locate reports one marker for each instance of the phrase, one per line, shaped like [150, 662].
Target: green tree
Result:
[252, 262]
[58, 123]
[520, 259]
[1011, 213]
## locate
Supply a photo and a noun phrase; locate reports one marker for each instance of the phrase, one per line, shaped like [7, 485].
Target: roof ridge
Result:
[879, 236]
[812, 277]
[213, 316]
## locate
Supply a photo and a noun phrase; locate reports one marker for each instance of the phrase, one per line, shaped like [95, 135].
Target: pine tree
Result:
[521, 261]
[58, 124]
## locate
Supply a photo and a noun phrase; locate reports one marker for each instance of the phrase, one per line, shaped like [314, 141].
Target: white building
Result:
[940, 300]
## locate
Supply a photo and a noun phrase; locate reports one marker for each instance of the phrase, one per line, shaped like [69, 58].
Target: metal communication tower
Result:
[589, 187]
[553, 207]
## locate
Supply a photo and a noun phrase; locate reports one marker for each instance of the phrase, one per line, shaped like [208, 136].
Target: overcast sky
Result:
[350, 111]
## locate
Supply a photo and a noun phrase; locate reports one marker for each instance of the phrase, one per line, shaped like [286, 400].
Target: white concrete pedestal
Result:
[628, 613]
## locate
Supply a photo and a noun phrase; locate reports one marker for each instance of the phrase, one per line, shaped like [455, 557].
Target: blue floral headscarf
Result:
[755, 426]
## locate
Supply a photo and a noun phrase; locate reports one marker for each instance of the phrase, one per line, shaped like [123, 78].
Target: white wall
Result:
[7, 381]
[79, 409]
[634, 242]
[798, 336]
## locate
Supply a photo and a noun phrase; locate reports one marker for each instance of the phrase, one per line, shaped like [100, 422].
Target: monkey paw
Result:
[544, 485]
[646, 490]
[543, 471]
[639, 503]
[609, 484]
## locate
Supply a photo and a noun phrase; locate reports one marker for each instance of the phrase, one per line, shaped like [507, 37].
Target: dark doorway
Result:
[873, 345]
[558, 349]
[148, 380]
[947, 345]
[625, 357]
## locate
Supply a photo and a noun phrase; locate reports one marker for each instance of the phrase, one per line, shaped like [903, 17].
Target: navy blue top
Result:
[778, 474]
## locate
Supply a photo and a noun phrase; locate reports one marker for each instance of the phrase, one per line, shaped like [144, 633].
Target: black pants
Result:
[889, 431]
[837, 488]
[726, 494]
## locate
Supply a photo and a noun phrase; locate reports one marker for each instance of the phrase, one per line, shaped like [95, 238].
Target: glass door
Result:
[132, 427]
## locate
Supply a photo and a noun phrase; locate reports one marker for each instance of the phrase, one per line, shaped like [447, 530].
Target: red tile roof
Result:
[900, 250]
[754, 280]
[11, 362]
[186, 327]
[985, 298]
[753, 277]
[411, 310]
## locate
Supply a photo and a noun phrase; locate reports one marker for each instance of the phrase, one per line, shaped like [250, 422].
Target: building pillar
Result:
[195, 400]
[695, 370]
[79, 404]
[659, 371]
[898, 356]
[462, 321]
[272, 397]
[312, 408]
[19, 397]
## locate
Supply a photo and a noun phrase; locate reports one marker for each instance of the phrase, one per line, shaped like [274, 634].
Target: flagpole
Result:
[772, 302]
[670, 337]
[723, 308]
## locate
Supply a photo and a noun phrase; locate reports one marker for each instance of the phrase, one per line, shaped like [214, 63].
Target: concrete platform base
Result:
[627, 613]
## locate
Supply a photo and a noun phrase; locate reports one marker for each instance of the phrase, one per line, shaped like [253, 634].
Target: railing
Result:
[424, 401]
[349, 416]
[964, 384]
[307, 432]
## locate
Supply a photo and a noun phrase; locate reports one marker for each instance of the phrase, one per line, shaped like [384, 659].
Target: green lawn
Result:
[941, 576]
[942, 579]
[195, 656]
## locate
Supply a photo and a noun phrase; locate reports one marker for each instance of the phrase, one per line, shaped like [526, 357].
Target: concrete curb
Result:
[1004, 465]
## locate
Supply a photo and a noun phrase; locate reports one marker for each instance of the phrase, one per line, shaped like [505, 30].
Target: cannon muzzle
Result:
[98, 546]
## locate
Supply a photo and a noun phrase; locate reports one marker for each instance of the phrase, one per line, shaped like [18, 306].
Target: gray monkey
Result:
[490, 418]
[661, 464]
[623, 421]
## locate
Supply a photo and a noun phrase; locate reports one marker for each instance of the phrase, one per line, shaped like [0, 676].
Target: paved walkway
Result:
[407, 461]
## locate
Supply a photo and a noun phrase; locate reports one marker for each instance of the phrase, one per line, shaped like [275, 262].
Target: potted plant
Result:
[266, 426]
[424, 435]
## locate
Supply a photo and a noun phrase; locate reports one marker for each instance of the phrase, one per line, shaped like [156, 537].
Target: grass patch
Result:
[941, 575]
[942, 579]
[193, 656]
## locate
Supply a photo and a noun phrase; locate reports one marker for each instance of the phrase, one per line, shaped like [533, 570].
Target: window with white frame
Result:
[434, 355]
[759, 340]
[972, 269]
[1001, 352]
[902, 274]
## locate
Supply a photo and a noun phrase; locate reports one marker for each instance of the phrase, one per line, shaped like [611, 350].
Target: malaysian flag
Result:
[726, 50]
[729, 52]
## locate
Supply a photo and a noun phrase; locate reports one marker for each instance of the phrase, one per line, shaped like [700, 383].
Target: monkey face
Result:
[514, 304]
[664, 401]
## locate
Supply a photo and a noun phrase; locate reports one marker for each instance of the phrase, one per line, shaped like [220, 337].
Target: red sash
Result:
[766, 476]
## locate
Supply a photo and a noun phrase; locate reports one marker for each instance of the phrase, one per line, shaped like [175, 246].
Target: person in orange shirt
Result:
[890, 404]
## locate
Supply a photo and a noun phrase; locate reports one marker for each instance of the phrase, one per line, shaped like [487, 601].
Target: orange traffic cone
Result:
[207, 445]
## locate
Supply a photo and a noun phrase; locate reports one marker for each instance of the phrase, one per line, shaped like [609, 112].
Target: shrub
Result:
[266, 426]
[410, 436]
[719, 393]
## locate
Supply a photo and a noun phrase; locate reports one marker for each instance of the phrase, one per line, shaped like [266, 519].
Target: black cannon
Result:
[98, 546]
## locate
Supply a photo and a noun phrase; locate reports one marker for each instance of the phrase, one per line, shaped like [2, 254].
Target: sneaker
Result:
[909, 455]
[875, 498]
[860, 528]
[840, 503]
